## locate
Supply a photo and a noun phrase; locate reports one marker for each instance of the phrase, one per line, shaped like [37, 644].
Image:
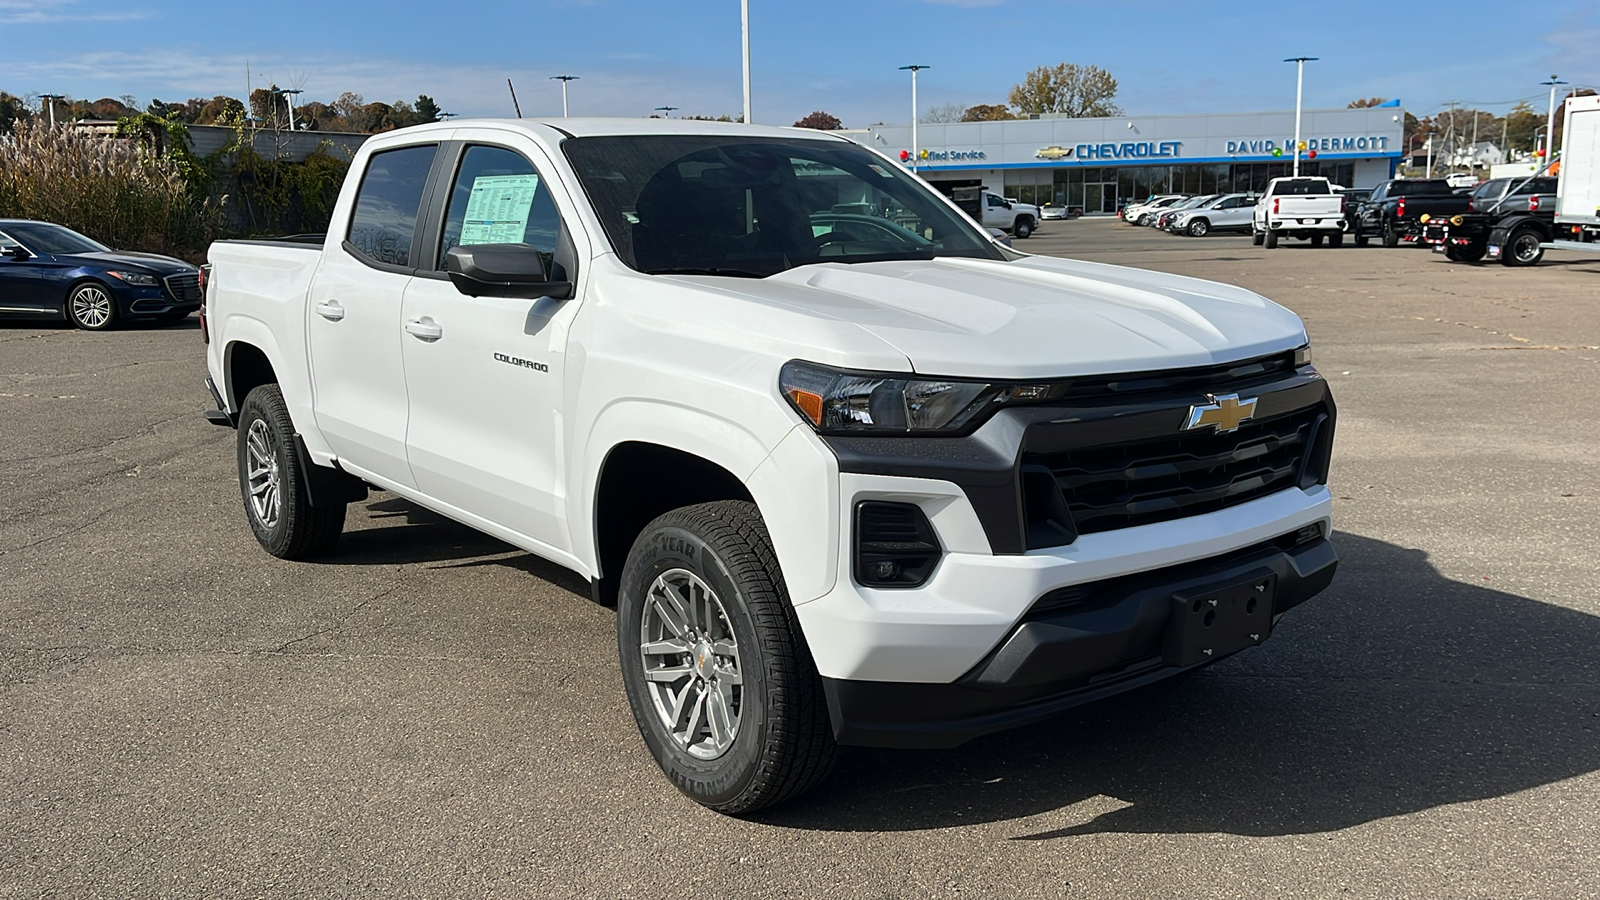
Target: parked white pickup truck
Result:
[1299, 208]
[892, 485]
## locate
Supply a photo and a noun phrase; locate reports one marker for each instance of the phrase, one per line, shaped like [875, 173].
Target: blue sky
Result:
[634, 55]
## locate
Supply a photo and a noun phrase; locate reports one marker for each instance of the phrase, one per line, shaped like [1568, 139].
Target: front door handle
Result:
[330, 310]
[425, 328]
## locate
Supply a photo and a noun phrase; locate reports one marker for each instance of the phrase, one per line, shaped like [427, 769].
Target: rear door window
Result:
[384, 223]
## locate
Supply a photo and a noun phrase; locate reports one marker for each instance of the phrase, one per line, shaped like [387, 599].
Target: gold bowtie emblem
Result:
[1225, 412]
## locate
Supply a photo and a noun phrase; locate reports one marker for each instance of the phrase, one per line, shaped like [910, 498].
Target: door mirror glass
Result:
[502, 270]
[14, 251]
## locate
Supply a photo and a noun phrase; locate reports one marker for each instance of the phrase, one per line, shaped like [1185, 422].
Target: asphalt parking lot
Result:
[431, 713]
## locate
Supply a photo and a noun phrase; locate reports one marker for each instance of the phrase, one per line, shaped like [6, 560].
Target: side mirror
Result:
[502, 270]
[16, 252]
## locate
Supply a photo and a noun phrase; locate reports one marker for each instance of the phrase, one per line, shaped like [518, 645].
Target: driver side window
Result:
[498, 197]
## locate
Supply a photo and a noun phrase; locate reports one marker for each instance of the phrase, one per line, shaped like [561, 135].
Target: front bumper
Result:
[1130, 634]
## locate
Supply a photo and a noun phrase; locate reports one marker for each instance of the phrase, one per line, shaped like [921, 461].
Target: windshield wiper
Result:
[706, 270]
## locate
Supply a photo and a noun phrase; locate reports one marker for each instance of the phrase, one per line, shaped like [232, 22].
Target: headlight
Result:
[836, 400]
[135, 278]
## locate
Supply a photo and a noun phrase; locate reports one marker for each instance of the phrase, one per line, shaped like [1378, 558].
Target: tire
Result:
[775, 739]
[1257, 238]
[1522, 248]
[1145, 220]
[1271, 239]
[91, 306]
[1198, 228]
[1361, 239]
[273, 486]
[1316, 240]
[1023, 228]
[1391, 238]
[1335, 239]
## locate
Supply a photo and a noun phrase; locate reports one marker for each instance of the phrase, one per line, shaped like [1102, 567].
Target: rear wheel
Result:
[273, 486]
[1391, 238]
[91, 307]
[1316, 240]
[1335, 238]
[1523, 248]
[716, 670]
[1271, 239]
[1257, 237]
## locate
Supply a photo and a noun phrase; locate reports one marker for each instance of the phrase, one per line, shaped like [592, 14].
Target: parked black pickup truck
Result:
[1508, 220]
[1395, 206]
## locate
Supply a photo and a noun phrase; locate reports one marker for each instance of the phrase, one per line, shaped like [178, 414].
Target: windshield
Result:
[728, 205]
[42, 237]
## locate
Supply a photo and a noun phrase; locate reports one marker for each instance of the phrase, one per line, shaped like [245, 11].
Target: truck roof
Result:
[608, 127]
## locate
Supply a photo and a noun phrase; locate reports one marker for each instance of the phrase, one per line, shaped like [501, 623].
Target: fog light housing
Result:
[895, 545]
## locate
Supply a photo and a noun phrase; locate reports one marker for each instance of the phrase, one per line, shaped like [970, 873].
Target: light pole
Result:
[666, 111]
[744, 14]
[287, 94]
[563, 79]
[1550, 123]
[1299, 89]
[916, 156]
[51, 99]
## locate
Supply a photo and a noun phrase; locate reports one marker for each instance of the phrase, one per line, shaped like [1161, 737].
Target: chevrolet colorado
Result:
[896, 486]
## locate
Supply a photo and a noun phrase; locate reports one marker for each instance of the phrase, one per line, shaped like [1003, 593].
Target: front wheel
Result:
[1391, 237]
[273, 485]
[717, 672]
[1523, 249]
[1199, 227]
[1023, 227]
[91, 307]
[1361, 239]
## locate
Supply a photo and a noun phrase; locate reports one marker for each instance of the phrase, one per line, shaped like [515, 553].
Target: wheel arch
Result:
[247, 367]
[636, 482]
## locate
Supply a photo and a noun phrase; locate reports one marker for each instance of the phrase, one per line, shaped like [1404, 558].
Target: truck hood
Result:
[1037, 317]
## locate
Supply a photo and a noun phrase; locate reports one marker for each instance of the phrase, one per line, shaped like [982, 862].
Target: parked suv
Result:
[1230, 212]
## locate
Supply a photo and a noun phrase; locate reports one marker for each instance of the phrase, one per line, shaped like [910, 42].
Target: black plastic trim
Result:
[326, 486]
[1053, 662]
[987, 464]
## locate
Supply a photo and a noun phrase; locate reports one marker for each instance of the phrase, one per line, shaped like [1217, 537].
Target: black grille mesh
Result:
[1124, 485]
[184, 288]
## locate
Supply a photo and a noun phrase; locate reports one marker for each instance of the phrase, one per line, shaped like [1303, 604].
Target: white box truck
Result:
[1578, 192]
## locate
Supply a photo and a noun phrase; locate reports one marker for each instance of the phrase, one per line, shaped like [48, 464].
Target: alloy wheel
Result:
[266, 496]
[691, 663]
[91, 306]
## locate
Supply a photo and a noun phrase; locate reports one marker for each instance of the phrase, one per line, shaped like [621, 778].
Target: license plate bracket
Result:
[1211, 622]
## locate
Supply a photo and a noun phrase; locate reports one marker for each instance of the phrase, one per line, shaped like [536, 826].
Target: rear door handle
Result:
[330, 310]
[425, 328]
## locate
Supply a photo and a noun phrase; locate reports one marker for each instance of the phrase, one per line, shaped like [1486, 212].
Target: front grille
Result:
[1120, 486]
[184, 288]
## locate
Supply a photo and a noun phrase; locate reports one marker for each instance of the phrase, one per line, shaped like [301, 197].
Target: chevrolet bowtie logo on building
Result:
[1054, 153]
[1224, 412]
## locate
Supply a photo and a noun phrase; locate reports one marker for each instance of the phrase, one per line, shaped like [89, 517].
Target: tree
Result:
[949, 112]
[12, 111]
[988, 112]
[1069, 89]
[821, 121]
[1367, 103]
[426, 109]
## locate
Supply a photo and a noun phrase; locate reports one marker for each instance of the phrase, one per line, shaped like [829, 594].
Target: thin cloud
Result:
[45, 12]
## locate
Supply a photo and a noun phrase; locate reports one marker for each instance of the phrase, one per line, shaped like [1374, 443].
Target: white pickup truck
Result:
[848, 478]
[1299, 208]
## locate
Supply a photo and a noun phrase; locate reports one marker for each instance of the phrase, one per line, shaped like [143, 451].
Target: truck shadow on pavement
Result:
[1396, 691]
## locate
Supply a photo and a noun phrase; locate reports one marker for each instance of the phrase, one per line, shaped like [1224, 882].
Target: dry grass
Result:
[111, 190]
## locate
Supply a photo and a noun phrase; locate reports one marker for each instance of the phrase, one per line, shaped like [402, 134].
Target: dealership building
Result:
[1099, 164]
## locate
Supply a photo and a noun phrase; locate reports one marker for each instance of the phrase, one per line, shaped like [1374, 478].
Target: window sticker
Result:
[879, 169]
[497, 209]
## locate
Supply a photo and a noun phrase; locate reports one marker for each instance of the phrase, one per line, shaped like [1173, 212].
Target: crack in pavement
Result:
[339, 623]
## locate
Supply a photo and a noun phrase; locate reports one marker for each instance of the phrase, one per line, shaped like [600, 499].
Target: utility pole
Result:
[51, 100]
[916, 155]
[563, 79]
[1550, 123]
[744, 12]
[288, 95]
[1299, 90]
[1454, 139]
